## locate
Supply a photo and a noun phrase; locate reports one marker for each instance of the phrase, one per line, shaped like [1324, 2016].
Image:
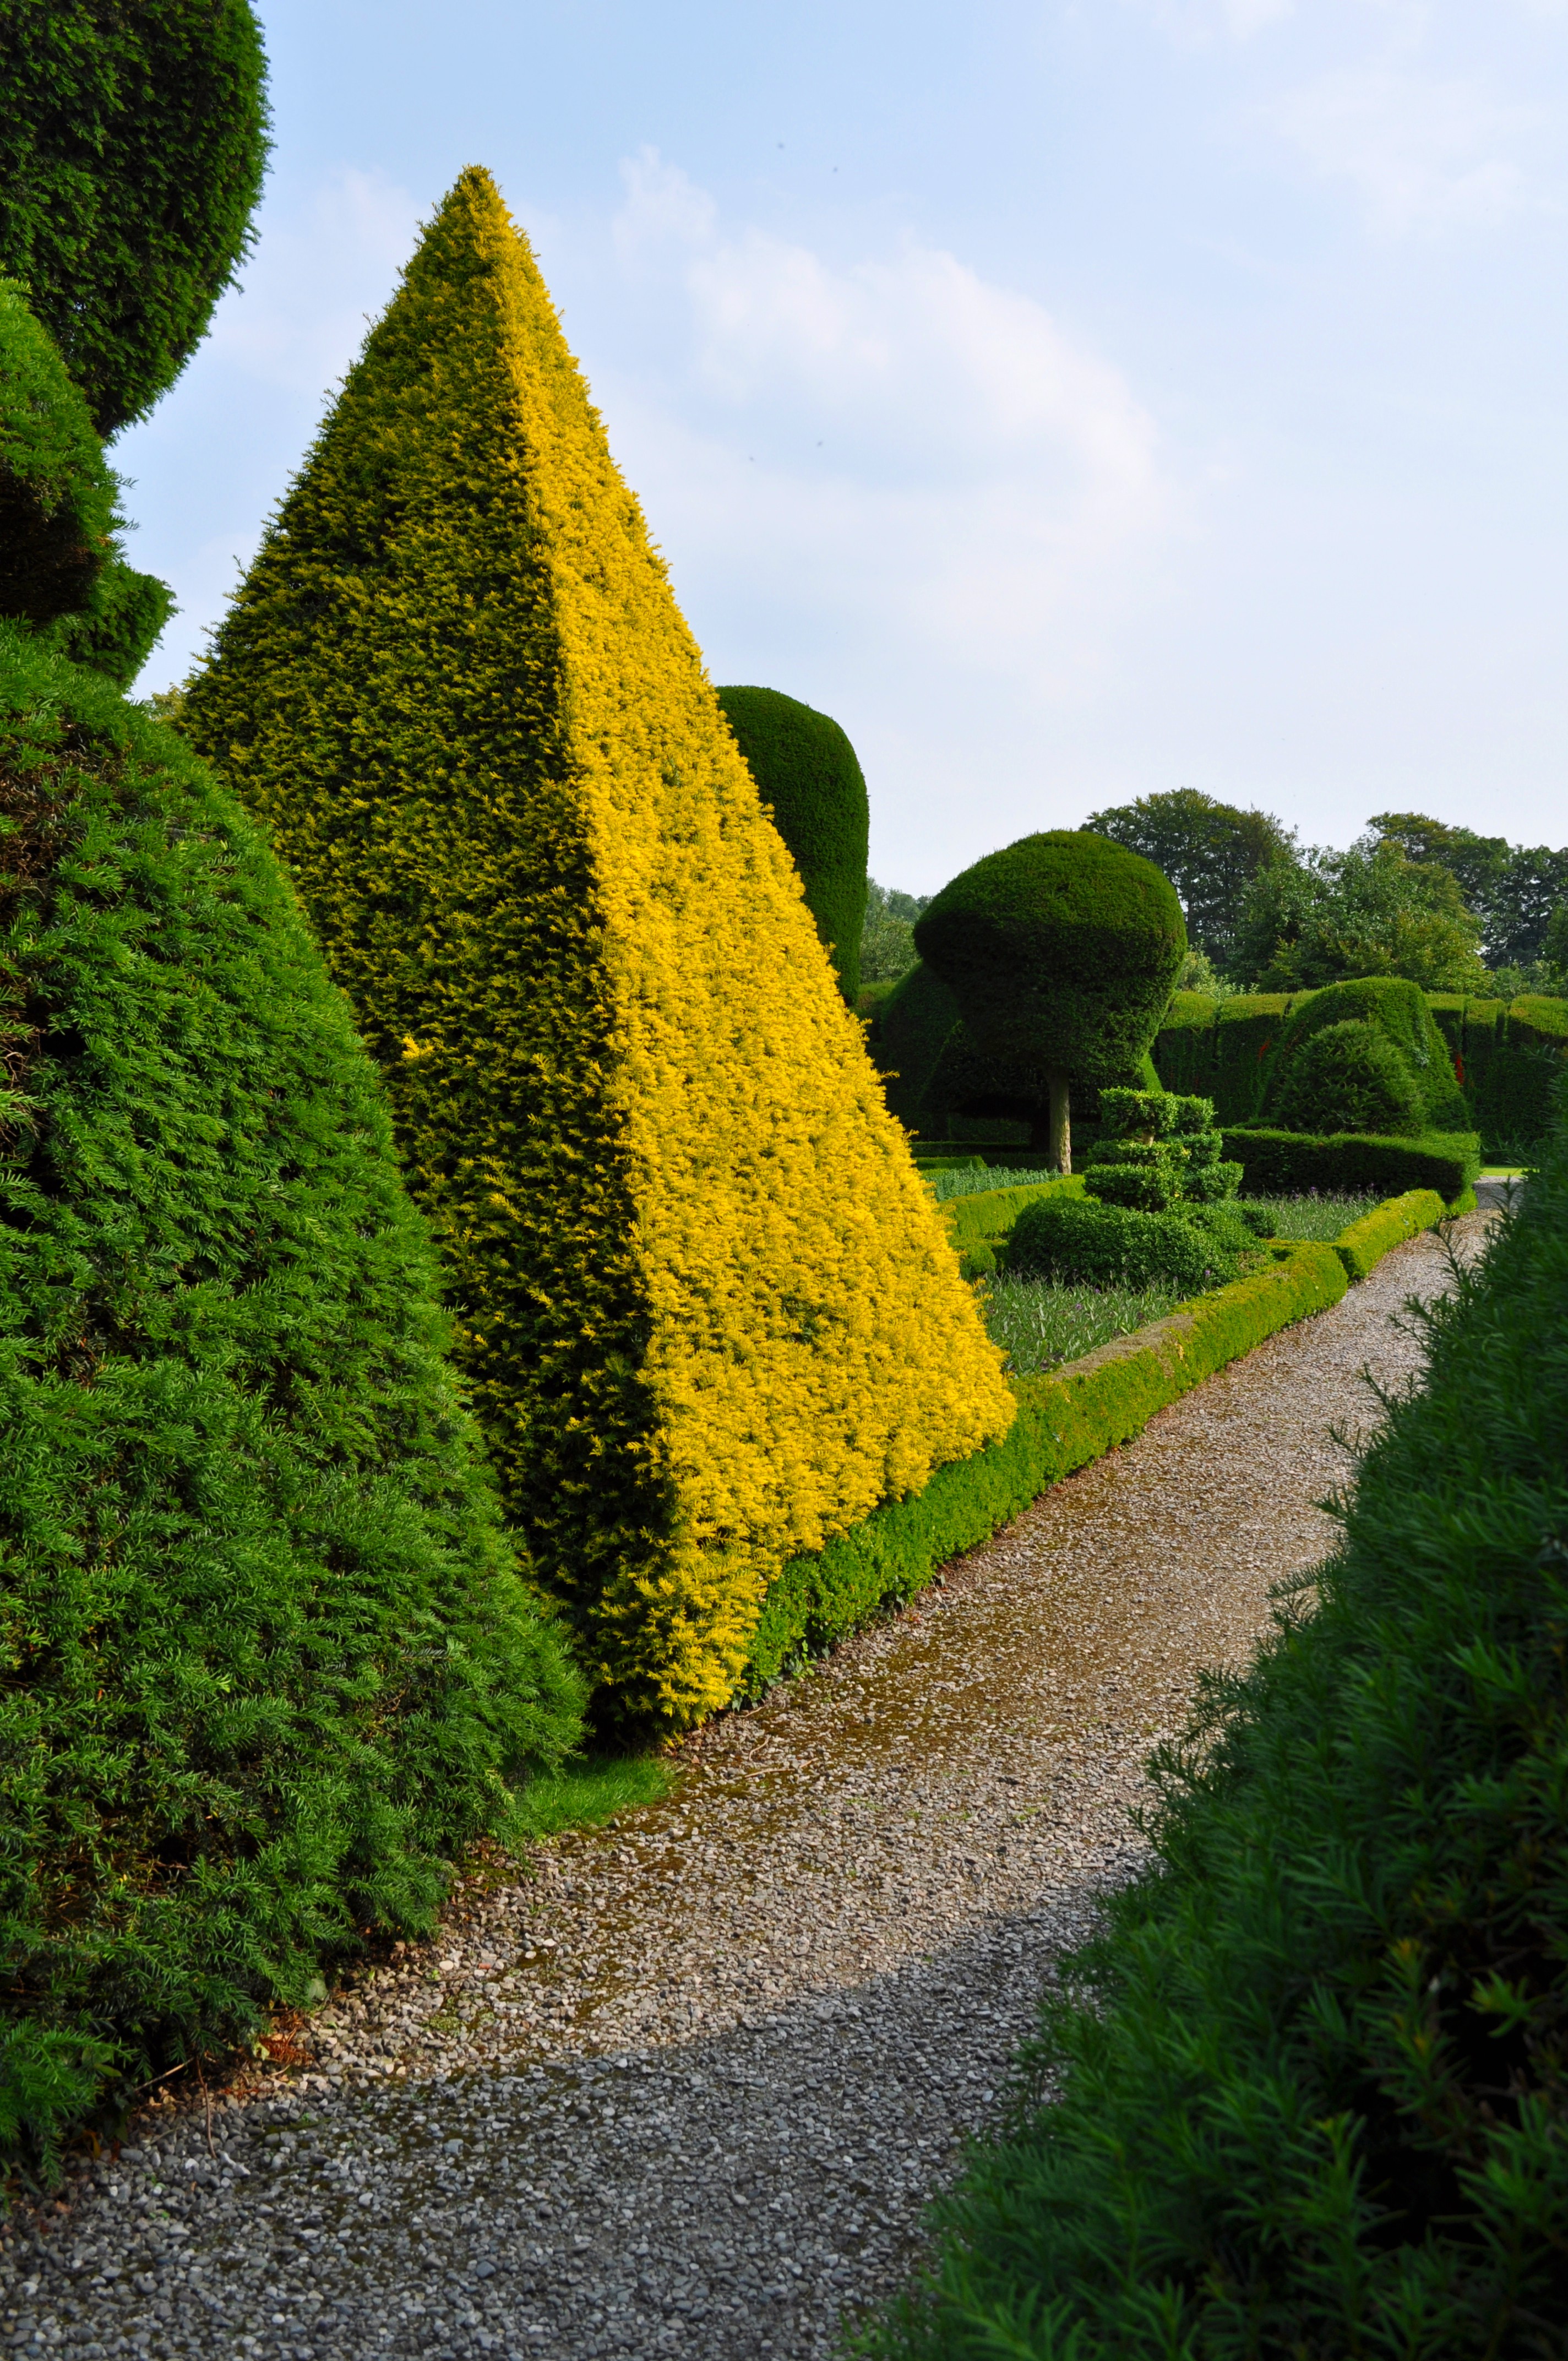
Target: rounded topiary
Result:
[132, 141]
[1075, 1241]
[1061, 952]
[1349, 1077]
[268, 1659]
[1401, 1013]
[57, 493]
[806, 769]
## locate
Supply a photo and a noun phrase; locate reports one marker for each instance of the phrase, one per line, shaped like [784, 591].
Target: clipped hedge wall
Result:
[1364, 1243]
[1065, 1420]
[457, 685]
[1282, 1163]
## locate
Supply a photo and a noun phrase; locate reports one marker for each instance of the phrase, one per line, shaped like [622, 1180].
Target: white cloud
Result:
[320, 272]
[898, 446]
[1423, 153]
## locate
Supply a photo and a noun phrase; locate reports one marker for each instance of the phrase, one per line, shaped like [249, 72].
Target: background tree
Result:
[132, 141]
[1512, 889]
[1061, 952]
[887, 938]
[1210, 851]
[807, 770]
[1369, 911]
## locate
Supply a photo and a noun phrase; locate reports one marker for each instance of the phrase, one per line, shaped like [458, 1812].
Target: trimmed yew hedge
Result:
[1282, 1163]
[1364, 1245]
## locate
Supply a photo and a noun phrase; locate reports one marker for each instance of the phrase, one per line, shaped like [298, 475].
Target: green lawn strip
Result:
[588, 1792]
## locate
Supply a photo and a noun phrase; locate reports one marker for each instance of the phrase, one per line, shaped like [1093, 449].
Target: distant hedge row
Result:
[1507, 1056]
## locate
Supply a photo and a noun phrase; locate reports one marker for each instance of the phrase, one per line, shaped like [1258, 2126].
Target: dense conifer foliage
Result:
[268, 1657]
[1309, 2097]
[457, 685]
[133, 139]
[807, 773]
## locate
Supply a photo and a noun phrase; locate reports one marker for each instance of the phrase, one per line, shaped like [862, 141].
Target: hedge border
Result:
[1066, 1419]
[1364, 1245]
[1276, 1162]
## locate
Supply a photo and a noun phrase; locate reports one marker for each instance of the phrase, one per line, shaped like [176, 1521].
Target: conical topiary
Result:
[705, 1305]
[268, 1658]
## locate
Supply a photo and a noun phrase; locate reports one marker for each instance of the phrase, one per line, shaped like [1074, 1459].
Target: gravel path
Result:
[688, 2089]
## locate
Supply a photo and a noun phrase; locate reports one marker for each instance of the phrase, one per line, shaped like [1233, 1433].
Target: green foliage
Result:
[1348, 1077]
[269, 1660]
[1210, 851]
[807, 771]
[1065, 1420]
[887, 937]
[1513, 889]
[947, 1182]
[57, 493]
[1307, 2095]
[1279, 1163]
[985, 1215]
[1363, 1244]
[1082, 1242]
[1368, 911]
[1312, 1216]
[1157, 1151]
[132, 141]
[115, 633]
[1060, 950]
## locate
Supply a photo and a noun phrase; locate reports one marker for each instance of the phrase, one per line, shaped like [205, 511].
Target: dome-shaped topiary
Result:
[1062, 951]
[133, 140]
[1349, 1077]
[1401, 1013]
[806, 769]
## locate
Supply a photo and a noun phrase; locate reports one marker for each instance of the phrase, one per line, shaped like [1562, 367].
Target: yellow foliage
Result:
[707, 1310]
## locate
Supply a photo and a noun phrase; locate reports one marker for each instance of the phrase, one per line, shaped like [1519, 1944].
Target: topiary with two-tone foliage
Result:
[456, 686]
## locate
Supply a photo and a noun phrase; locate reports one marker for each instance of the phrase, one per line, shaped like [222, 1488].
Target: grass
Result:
[1040, 1323]
[590, 1791]
[1313, 1216]
[972, 1180]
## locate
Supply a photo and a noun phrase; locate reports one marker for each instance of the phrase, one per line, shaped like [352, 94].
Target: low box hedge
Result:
[1066, 1418]
[989, 1214]
[1283, 1163]
[1366, 1242]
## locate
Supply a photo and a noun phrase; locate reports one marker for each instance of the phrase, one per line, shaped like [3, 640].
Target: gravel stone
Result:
[686, 2085]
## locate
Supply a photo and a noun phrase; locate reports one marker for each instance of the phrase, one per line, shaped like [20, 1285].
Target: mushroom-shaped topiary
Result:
[807, 773]
[1062, 951]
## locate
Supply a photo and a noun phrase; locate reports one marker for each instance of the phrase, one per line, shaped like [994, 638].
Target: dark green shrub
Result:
[1349, 1077]
[1308, 2095]
[56, 492]
[1159, 1150]
[1061, 952]
[268, 1661]
[1399, 1012]
[133, 140]
[1291, 1163]
[1097, 1245]
[805, 768]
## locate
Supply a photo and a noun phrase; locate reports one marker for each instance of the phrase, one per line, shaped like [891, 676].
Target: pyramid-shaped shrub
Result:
[268, 1658]
[705, 1306]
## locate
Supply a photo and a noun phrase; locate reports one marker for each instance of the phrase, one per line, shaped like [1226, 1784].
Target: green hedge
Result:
[1306, 2095]
[1282, 1163]
[991, 1213]
[1366, 1242]
[1065, 1420]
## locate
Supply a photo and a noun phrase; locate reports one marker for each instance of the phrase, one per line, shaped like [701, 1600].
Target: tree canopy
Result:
[1368, 911]
[1210, 851]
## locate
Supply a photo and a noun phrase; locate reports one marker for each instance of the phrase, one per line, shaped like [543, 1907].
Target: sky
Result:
[1076, 400]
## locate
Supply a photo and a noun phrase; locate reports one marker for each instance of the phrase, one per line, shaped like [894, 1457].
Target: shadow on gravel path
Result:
[688, 2089]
